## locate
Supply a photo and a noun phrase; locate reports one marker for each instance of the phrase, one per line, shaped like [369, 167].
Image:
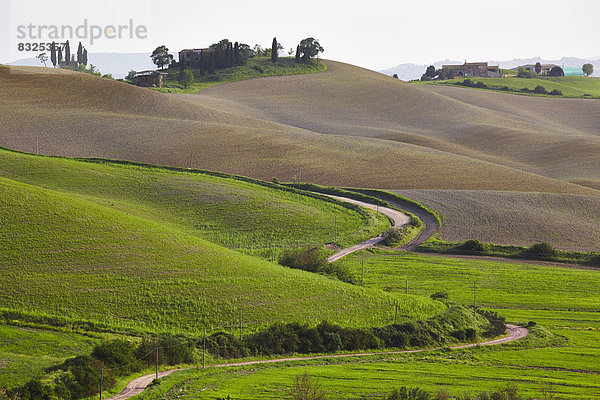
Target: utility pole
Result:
[240, 324]
[101, 379]
[474, 297]
[156, 362]
[335, 227]
[396, 313]
[204, 350]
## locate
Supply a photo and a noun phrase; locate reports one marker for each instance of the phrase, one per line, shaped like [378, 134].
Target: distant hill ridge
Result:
[408, 71]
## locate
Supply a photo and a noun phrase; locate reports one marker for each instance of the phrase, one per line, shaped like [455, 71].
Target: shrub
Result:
[556, 92]
[439, 296]
[460, 335]
[539, 89]
[393, 236]
[405, 393]
[115, 353]
[258, 68]
[472, 245]
[306, 388]
[226, 345]
[541, 250]
[525, 73]
[481, 85]
[311, 259]
[470, 334]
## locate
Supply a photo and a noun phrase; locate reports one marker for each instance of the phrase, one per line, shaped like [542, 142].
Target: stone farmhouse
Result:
[478, 69]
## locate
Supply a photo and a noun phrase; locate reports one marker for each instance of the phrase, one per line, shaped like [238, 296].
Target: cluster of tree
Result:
[67, 60]
[326, 337]
[79, 377]
[435, 74]
[314, 259]
[271, 52]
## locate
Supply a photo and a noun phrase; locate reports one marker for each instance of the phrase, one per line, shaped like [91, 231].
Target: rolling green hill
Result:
[107, 245]
[569, 86]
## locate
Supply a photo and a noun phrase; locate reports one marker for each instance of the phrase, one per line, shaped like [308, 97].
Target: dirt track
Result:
[138, 385]
[398, 219]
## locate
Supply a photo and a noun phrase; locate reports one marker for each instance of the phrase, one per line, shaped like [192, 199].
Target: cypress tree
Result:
[236, 53]
[79, 53]
[202, 63]
[85, 60]
[60, 59]
[53, 54]
[67, 52]
[298, 53]
[211, 63]
[230, 55]
[274, 55]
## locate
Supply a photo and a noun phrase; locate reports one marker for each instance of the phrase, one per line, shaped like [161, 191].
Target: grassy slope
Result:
[553, 137]
[81, 115]
[570, 86]
[26, 352]
[231, 212]
[568, 222]
[564, 301]
[252, 69]
[69, 255]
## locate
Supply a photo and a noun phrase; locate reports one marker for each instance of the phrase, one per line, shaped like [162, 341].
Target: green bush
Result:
[405, 393]
[525, 73]
[393, 236]
[542, 250]
[539, 89]
[311, 259]
[556, 92]
[472, 245]
[439, 296]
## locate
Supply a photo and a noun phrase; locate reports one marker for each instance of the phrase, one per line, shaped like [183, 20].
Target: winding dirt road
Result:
[431, 224]
[138, 385]
[398, 219]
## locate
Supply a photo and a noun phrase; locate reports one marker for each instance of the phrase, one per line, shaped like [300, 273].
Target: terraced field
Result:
[568, 222]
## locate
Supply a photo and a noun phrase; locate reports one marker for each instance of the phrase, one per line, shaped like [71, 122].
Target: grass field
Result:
[115, 245]
[564, 302]
[570, 86]
[568, 222]
[239, 128]
[255, 68]
[26, 352]
[228, 211]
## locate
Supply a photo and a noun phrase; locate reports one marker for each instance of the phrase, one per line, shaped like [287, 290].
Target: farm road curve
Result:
[138, 385]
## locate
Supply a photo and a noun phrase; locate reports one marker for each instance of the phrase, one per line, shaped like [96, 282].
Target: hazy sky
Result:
[374, 34]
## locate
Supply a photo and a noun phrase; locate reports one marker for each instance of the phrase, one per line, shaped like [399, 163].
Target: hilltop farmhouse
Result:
[480, 69]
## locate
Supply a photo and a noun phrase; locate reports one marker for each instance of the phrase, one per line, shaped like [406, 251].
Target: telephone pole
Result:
[156, 362]
[240, 324]
[474, 297]
[335, 227]
[204, 350]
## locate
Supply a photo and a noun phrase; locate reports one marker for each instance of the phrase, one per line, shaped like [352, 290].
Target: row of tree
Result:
[226, 54]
